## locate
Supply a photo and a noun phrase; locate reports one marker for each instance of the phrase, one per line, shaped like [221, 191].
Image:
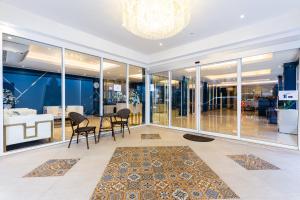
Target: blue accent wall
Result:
[44, 89]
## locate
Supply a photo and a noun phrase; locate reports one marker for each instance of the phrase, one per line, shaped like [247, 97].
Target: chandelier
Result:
[155, 19]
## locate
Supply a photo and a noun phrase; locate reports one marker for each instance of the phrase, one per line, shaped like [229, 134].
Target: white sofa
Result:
[24, 125]
[56, 111]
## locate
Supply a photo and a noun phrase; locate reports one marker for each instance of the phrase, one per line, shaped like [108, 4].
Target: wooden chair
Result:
[76, 119]
[121, 120]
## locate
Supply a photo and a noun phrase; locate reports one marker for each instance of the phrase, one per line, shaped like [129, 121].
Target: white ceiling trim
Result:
[272, 29]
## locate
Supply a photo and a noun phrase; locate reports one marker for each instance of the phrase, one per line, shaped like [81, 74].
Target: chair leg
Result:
[122, 129]
[71, 140]
[77, 138]
[95, 136]
[128, 128]
[113, 132]
[87, 140]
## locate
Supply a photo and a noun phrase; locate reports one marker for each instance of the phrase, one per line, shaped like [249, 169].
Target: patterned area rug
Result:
[173, 172]
[251, 162]
[150, 136]
[55, 167]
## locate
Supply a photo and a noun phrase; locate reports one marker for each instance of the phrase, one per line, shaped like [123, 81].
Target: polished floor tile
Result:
[81, 180]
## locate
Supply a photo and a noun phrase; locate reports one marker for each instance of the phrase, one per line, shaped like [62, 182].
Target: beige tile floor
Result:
[80, 181]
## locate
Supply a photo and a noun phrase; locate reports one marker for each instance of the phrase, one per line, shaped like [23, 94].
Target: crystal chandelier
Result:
[155, 19]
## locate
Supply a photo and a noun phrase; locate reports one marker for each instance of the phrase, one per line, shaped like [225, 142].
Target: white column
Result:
[101, 86]
[1, 98]
[127, 85]
[147, 100]
[239, 96]
[63, 95]
[170, 97]
[198, 96]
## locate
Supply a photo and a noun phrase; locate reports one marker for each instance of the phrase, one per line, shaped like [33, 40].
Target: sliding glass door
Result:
[183, 98]
[218, 98]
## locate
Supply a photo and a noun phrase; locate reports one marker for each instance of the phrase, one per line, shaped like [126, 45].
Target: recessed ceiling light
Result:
[160, 44]
[242, 16]
[9, 37]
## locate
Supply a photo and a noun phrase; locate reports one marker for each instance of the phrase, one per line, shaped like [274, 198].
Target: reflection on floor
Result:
[80, 181]
[225, 121]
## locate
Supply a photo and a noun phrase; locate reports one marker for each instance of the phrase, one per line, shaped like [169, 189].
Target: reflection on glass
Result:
[114, 86]
[31, 90]
[137, 95]
[159, 98]
[218, 92]
[82, 87]
[269, 90]
[183, 98]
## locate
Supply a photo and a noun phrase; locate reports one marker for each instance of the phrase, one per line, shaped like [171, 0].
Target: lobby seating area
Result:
[149, 100]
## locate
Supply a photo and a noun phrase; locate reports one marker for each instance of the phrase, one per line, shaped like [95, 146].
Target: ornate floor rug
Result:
[251, 162]
[173, 172]
[55, 167]
[150, 136]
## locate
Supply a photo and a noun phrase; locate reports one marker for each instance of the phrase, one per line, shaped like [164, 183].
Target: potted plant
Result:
[8, 99]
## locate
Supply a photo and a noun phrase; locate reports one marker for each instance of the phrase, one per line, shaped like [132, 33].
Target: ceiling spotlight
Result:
[242, 16]
[9, 37]
[160, 44]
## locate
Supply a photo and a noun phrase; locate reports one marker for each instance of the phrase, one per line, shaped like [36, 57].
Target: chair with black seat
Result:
[121, 119]
[76, 119]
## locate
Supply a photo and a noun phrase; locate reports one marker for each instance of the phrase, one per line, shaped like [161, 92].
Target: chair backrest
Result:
[124, 113]
[76, 118]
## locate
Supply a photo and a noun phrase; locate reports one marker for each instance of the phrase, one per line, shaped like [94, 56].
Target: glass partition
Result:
[114, 86]
[82, 88]
[31, 93]
[218, 97]
[137, 95]
[183, 98]
[270, 97]
[159, 98]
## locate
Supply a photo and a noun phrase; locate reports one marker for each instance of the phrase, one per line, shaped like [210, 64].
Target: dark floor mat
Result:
[197, 138]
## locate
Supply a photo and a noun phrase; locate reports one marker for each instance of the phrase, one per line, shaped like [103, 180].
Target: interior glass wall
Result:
[82, 87]
[159, 98]
[218, 97]
[137, 95]
[183, 98]
[114, 86]
[270, 97]
[31, 88]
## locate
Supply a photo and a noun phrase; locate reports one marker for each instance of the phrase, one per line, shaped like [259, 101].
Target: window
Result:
[159, 98]
[82, 87]
[31, 93]
[270, 97]
[137, 95]
[114, 86]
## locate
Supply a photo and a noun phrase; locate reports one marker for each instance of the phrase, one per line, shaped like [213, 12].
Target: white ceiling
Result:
[102, 18]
